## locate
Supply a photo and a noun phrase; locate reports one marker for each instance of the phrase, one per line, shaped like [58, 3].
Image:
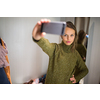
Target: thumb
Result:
[43, 34]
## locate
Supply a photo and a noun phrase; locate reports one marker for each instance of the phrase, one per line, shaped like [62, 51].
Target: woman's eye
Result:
[72, 35]
[65, 35]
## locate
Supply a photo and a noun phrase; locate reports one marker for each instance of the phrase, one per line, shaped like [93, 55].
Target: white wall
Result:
[93, 52]
[27, 60]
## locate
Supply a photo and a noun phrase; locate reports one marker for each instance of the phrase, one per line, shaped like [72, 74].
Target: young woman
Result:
[63, 58]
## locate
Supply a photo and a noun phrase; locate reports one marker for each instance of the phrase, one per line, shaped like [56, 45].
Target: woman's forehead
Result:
[69, 30]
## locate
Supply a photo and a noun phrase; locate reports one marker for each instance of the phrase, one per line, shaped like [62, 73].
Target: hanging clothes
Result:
[4, 62]
[3, 77]
[3, 53]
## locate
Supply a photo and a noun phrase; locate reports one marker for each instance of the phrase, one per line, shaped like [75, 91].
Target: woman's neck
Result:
[66, 48]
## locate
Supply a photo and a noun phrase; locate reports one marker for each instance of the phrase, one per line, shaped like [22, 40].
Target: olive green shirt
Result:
[62, 63]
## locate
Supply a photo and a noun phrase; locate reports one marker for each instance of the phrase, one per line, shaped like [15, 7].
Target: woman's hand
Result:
[73, 79]
[36, 34]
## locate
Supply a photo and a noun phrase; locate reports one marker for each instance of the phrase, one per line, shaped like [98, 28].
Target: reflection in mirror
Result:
[80, 46]
[82, 25]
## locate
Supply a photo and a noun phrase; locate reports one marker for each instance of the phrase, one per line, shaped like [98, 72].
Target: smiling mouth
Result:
[68, 41]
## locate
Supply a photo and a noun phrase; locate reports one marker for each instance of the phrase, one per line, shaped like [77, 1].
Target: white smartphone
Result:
[57, 28]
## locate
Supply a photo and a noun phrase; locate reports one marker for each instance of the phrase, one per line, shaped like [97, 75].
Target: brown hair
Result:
[81, 36]
[72, 26]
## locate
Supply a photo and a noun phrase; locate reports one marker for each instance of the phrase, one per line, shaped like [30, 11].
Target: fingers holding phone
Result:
[37, 34]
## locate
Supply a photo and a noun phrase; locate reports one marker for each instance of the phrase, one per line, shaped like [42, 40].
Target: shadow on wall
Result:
[38, 58]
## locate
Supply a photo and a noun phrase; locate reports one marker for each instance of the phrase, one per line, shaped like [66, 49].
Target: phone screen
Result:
[57, 28]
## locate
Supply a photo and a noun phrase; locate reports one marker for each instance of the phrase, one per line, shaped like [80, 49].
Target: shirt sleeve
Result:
[81, 67]
[46, 46]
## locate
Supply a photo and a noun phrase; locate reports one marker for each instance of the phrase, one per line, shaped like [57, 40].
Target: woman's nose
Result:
[67, 37]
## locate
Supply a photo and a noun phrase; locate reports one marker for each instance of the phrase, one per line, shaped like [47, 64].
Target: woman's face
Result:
[69, 36]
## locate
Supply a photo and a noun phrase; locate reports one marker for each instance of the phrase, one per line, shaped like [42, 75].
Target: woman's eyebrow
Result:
[72, 33]
[69, 34]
